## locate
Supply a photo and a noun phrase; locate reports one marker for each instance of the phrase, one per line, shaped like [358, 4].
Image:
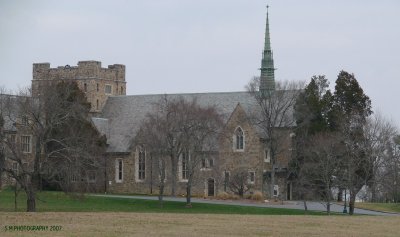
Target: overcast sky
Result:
[174, 46]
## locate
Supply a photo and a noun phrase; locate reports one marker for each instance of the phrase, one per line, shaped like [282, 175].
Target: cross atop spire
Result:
[267, 78]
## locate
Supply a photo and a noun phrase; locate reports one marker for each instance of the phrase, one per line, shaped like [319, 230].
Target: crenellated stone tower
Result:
[267, 78]
[98, 83]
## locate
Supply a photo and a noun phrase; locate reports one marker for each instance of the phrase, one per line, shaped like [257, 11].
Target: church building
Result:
[119, 116]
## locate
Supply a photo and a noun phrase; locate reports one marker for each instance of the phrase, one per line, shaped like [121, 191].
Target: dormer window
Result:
[239, 139]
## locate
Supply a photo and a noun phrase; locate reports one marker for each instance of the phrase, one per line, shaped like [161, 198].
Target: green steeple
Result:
[267, 78]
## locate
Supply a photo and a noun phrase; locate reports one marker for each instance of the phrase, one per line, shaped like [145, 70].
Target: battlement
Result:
[84, 70]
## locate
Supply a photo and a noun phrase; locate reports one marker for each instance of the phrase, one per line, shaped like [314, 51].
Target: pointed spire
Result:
[267, 78]
[267, 40]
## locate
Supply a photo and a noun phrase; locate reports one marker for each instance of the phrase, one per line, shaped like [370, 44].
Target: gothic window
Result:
[142, 164]
[239, 139]
[26, 144]
[85, 87]
[119, 174]
[185, 170]
[97, 87]
[108, 89]
[97, 104]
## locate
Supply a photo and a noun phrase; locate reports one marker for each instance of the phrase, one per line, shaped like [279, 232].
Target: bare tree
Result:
[322, 163]
[180, 130]
[239, 181]
[199, 127]
[275, 113]
[46, 135]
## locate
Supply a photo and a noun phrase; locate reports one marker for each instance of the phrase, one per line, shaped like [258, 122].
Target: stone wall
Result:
[90, 76]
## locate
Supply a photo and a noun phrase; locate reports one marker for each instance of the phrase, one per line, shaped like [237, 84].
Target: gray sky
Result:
[173, 46]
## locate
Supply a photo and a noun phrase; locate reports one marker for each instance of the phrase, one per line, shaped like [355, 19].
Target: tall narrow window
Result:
[97, 87]
[267, 157]
[226, 179]
[15, 167]
[142, 164]
[97, 104]
[122, 90]
[239, 139]
[108, 89]
[26, 144]
[119, 171]
[85, 87]
[185, 170]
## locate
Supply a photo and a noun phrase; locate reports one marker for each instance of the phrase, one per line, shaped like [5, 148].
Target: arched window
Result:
[239, 139]
[142, 164]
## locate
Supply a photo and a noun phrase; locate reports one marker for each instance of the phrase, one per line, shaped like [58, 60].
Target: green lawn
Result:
[387, 207]
[59, 202]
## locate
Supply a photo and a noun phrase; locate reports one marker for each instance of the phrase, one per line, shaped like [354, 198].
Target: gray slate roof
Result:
[124, 114]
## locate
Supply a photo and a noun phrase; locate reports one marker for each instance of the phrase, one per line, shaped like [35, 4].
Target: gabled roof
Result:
[126, 113]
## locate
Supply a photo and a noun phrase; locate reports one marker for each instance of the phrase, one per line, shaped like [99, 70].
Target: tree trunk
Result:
[31, 200]
[161, 193]
[173, 175]
[305, 206]
[188, 194]
[352, 202]
[272, 181]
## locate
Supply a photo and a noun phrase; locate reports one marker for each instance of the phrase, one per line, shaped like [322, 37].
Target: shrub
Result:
[223, 195]
[257, 196]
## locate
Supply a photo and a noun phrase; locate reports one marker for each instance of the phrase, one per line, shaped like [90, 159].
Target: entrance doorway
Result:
[210, 187]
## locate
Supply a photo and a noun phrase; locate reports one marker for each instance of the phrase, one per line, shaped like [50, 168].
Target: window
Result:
[15, 167]
[74, 178]
[97, 87]
[91, 176]
[13, 139]
[185, 170]
[210, 163]
[25, 120]
[142, 164]
[252, 177]
[122, 90]
[108, 89]
[267, 157]
[119, 175]
[85, 87]
[227, 175]
[97, 104]
[276, 190]
[239, 139]
[26, 144]
[203, 163]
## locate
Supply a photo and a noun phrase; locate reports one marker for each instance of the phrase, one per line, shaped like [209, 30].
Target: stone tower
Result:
[98, 83]
[267, 78]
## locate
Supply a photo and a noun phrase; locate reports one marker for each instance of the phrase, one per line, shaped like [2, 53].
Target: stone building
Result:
[98, 83]
[130, 169]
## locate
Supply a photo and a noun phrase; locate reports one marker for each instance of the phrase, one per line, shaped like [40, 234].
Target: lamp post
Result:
[345, 201]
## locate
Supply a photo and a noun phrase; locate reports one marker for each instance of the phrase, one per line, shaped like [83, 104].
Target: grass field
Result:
[387, 207]
[59, 202]
[173, 224]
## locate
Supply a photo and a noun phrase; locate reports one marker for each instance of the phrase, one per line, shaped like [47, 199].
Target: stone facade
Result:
[98, 83]
[227, 159]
